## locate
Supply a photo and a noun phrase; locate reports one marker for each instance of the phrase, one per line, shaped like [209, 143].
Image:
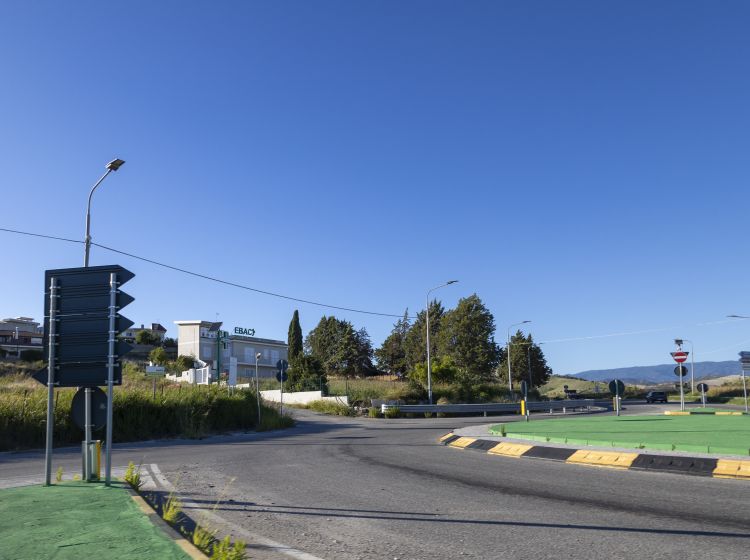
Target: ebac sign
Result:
[243, 331]
[82, 325]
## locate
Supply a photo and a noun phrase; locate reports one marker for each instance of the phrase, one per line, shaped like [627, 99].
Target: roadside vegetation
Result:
[178, 410]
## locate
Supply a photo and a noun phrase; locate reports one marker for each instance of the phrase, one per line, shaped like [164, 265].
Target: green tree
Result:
[294, 340]
[158, 356]
[467, 336]
[339, 348]
[524, 352]
[183, 363]
[146, 337]
[391, 356]
[415, 343]
[307, 375]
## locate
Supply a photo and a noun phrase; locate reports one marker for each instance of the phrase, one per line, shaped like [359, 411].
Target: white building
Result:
[230, 351]
[20, 333]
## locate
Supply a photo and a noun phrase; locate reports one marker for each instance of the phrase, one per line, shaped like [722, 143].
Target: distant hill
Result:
[664, 373]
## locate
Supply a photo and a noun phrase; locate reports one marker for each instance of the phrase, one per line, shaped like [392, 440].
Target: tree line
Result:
[463, 350]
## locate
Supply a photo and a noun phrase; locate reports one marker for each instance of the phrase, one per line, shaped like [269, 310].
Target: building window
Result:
[206, 353]
[249, 354]
[274, 356]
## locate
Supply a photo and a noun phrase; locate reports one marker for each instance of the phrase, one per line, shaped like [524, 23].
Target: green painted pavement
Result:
[77, 520]
[702, 433]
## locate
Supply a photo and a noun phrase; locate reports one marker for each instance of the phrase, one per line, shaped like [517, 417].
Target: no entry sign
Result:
[680, 356]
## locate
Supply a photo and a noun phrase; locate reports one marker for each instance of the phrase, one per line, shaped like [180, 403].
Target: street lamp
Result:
[510, 379]
[257, 385]
[429, 366]
[113, 165]
[678, 342]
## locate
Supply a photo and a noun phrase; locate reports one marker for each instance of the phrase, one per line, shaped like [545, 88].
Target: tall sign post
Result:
[745, 362]
[617, 388]
[81, 324]
[703, 387]
[281, 376]
[679, 356]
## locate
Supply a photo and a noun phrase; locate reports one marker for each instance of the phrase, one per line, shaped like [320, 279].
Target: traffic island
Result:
[584, 441]
[80, 520]
[692, 433]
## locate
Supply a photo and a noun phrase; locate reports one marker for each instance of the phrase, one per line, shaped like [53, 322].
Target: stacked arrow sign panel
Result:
[82, 339]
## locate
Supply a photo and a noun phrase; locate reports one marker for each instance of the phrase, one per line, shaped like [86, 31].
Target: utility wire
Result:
[204, 276]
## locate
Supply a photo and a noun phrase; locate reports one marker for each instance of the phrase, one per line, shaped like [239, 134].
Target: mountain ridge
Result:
[661, 373]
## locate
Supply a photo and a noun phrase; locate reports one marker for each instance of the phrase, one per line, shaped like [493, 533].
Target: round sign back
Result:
[702, 387]
[98, 408]
[616, 387]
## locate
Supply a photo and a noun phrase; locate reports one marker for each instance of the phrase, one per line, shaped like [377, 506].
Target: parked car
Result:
[656, 396]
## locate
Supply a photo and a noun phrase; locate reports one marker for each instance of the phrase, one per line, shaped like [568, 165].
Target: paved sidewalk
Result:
[78, 520]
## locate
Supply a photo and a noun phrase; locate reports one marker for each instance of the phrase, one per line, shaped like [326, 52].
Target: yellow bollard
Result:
[523, 407]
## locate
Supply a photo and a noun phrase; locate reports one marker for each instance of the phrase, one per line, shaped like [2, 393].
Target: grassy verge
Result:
[179, 410]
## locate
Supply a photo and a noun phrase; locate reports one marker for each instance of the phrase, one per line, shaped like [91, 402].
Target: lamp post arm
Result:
[87, 240]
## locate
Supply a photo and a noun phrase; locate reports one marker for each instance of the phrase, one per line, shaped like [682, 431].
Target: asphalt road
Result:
[343, 488]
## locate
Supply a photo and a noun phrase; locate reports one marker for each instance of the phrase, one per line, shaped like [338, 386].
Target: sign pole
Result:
[111, 374]
[744, 388]
[87, 437]
[51, 381]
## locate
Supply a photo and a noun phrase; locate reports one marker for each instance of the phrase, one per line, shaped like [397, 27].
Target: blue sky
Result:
[579, 164]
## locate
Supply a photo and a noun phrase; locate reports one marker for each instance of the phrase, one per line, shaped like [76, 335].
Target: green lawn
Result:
[78, 520]
[698, 433]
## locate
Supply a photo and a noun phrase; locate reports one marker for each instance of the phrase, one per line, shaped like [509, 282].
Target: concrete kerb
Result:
[621, 459]
[179, 539]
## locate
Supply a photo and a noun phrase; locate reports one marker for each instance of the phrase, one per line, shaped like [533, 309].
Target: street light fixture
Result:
[678, 342]
[510, 379]
[113, 165]
[257, 385]
[429, 365]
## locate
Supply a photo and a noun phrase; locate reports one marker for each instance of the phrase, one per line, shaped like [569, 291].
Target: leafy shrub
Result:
[133, 476]
[392, 412]
[373, 412]
[203, 539]
[172, 510]
[224, 550]
[330, 407]
[32, 355]
[181, 411]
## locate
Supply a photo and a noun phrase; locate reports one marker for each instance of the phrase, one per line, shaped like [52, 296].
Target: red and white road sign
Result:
[680, 356]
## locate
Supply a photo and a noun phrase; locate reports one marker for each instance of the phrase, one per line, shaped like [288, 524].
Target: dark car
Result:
[656, 396]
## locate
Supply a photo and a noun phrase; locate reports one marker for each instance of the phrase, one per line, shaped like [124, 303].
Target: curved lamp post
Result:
[113, 165]
[429, 366]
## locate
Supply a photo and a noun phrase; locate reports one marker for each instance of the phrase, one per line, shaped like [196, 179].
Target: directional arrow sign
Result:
[82, 324]
[679, 356]
[80, 375]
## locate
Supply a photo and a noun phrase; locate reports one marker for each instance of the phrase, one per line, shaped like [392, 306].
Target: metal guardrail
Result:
[508, 408]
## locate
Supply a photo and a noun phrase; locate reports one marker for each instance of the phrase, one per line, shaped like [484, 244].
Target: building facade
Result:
[230, 352]
[156, 330]
[19, 334]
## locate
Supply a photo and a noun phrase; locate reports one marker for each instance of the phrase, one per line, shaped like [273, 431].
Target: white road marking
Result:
[251, 537]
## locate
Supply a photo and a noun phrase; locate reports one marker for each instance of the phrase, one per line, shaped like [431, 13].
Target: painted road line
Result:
[462, 442]
[508, 449]
[731, 468]
[252, 538]
[610, 459]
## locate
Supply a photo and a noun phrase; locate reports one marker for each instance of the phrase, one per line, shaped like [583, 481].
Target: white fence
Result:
[196, 376]
[303, 397]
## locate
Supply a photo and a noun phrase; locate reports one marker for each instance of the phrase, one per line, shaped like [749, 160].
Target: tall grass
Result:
[179, 410]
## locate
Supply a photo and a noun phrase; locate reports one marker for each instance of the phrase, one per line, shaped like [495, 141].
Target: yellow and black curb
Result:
[623, 460]
[187, 547]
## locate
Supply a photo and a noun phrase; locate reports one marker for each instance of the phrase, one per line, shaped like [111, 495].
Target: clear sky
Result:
[583, 165]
